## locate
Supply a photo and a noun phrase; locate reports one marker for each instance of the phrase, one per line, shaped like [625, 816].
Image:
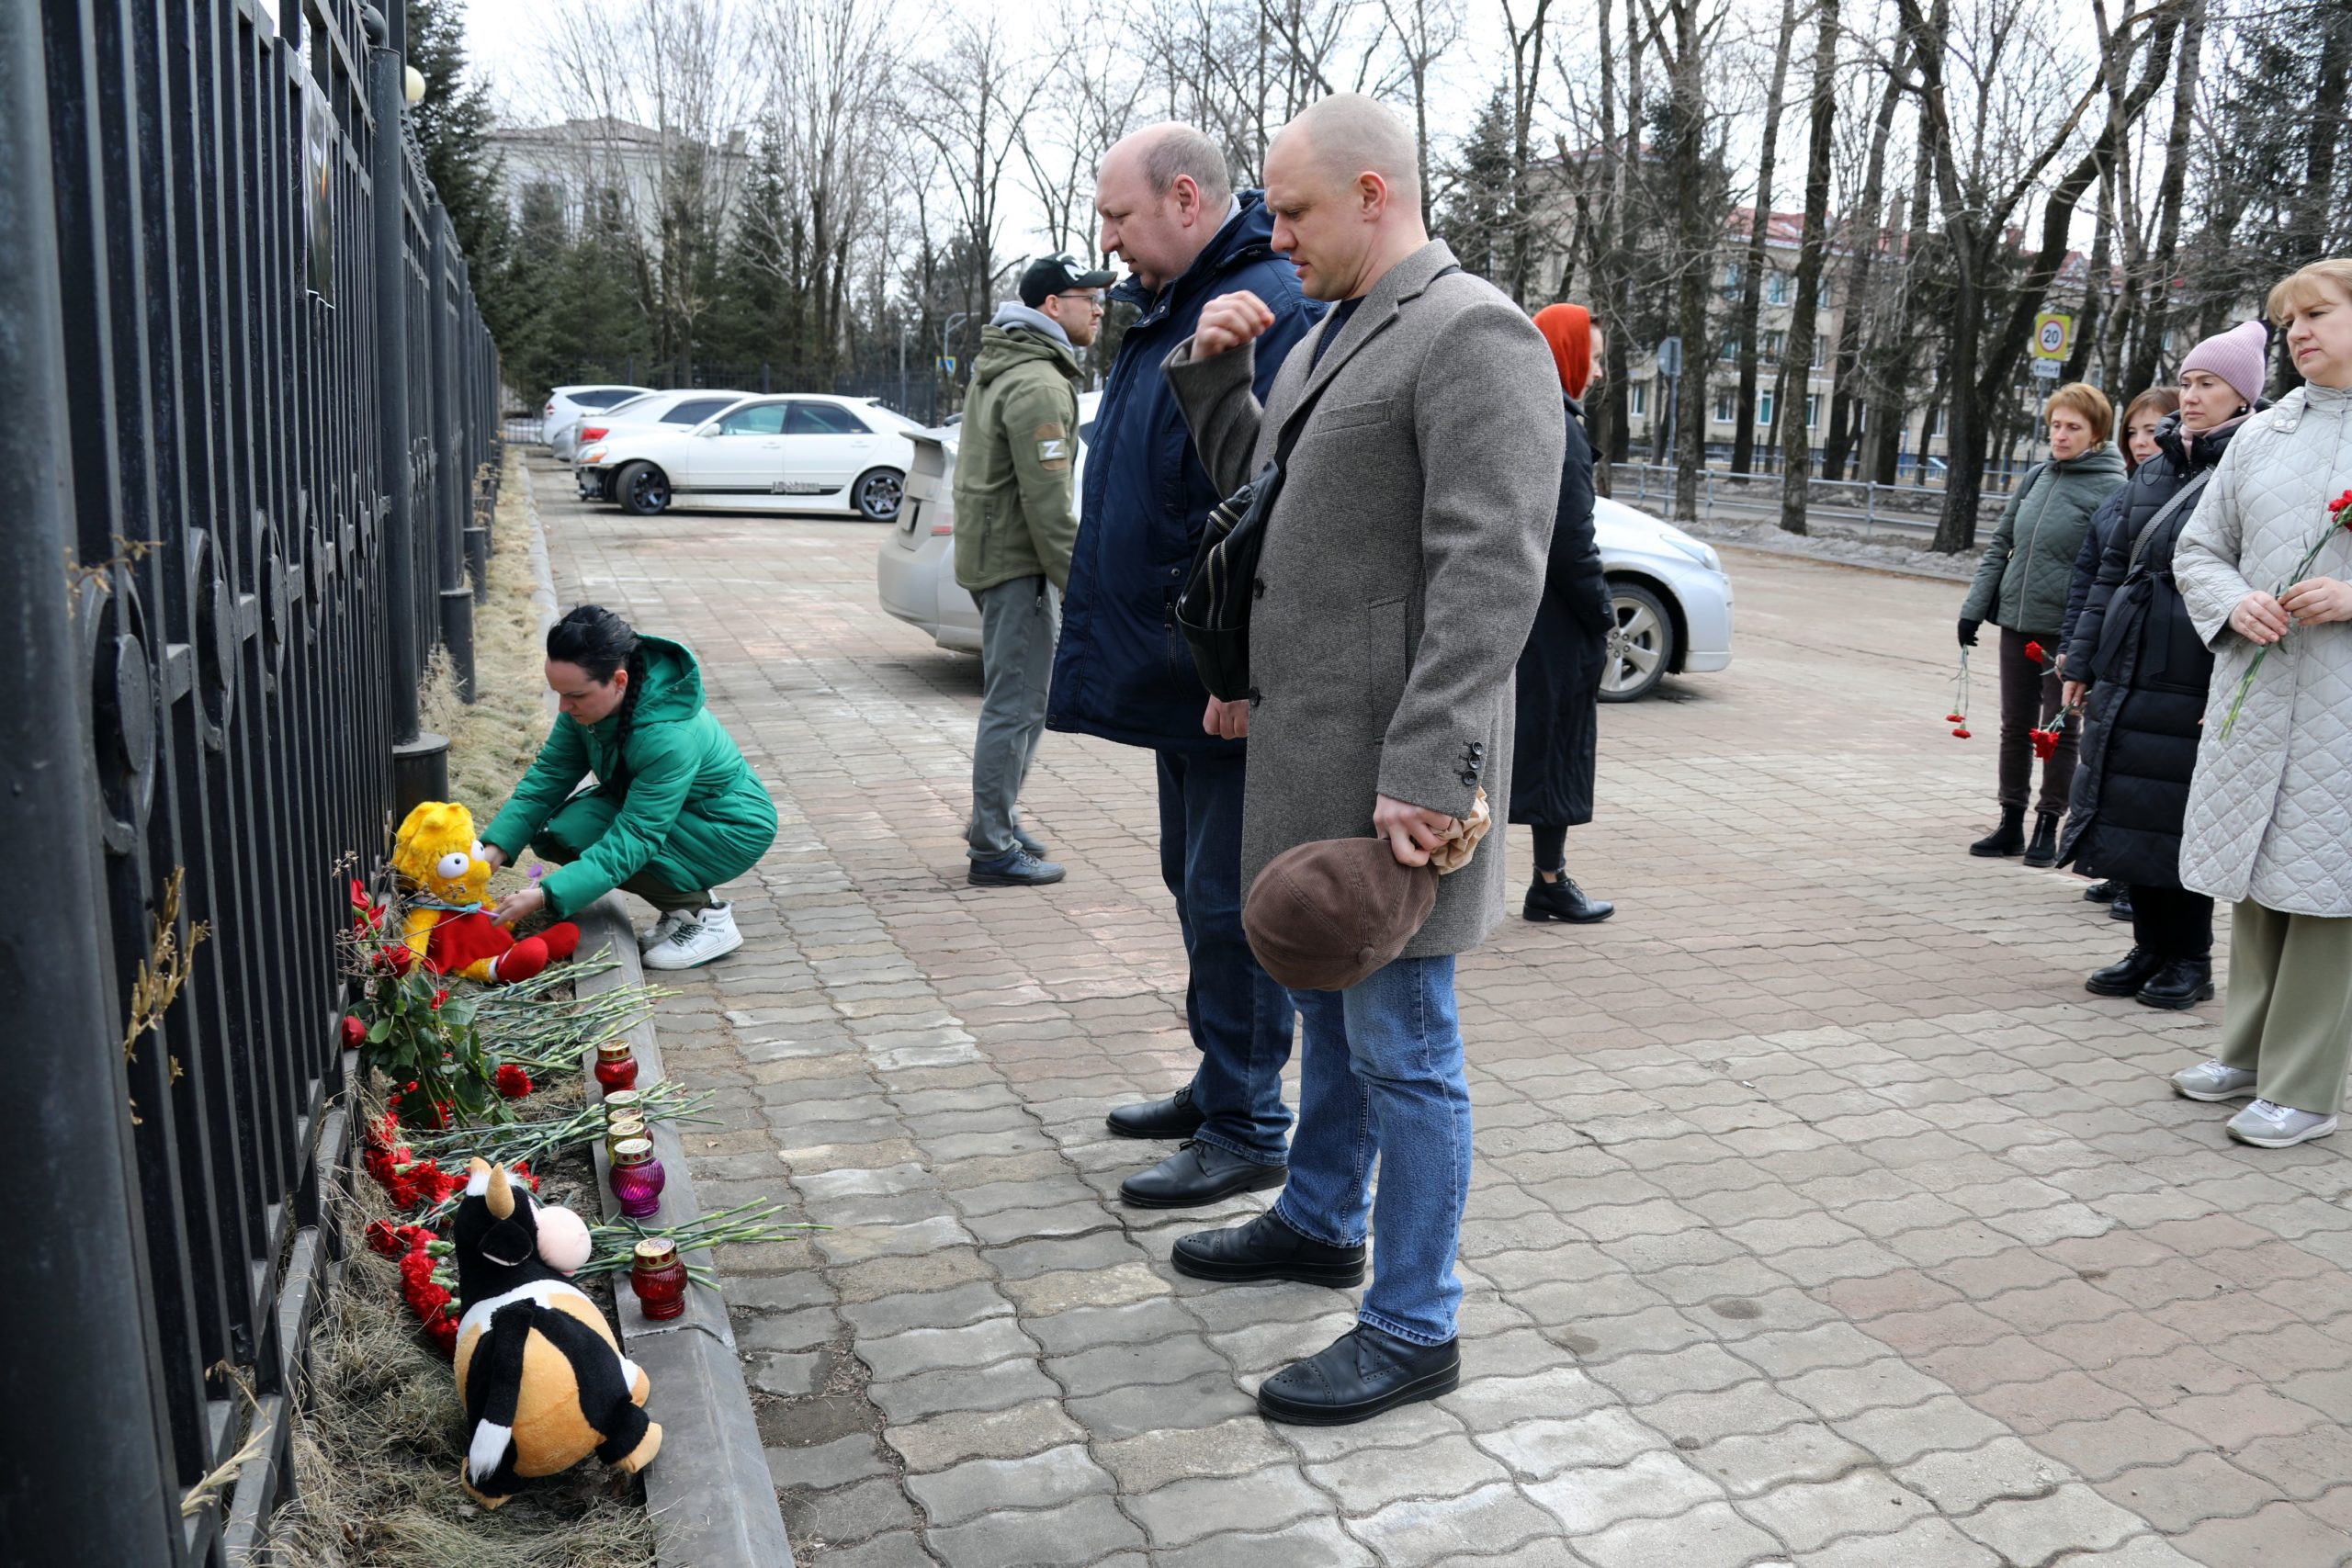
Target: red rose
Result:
[513, 1081]
[382, 1238]
[355, 1034]
[440, 996]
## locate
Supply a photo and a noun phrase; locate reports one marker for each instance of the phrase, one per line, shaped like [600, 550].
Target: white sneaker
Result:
[662, 929]
[698, 940]
[2269, 1126]
[2213, 1080]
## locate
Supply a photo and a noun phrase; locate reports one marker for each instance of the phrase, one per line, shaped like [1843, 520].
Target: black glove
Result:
[1968, 625]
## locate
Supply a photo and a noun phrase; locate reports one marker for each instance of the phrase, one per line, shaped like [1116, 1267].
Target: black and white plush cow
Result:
[543, 1378]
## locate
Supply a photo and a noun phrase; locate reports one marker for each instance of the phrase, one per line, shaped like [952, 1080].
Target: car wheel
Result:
[641, 488]
[877, 495]
[1641, 649]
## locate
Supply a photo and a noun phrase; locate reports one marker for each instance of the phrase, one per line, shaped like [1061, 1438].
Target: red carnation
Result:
[511, 1080]
[382, 1238]
[438, 998]
[1962, 732]
[443, 1331]
[2033, 650]
[1955, 718]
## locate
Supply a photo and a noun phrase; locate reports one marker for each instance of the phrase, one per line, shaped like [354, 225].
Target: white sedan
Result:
[560, 423]
[687, 408]
[805, 452]
[1673, 600]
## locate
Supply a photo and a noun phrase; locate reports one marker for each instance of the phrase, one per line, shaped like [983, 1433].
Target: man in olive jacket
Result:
[1015, 527]
[1401, 571]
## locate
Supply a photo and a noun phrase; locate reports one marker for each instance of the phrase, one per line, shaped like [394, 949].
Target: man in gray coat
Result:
[1400, 573]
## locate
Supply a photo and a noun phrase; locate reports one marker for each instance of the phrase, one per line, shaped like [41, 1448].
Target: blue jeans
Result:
[1383, 1071]
[1241, 1020]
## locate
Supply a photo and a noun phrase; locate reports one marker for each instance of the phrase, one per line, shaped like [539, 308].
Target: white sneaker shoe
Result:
[710, 935]
[2213, 1080]
[662, 929]
[2269, 1126]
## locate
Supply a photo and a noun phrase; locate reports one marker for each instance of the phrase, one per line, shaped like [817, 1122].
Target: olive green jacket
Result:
[2029, 563]
[1015, 513]
[689, 808]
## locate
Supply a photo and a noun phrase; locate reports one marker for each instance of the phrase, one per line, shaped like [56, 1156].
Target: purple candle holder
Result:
[637, 1178]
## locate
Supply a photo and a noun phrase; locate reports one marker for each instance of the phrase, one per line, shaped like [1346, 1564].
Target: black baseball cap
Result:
[1058, 274]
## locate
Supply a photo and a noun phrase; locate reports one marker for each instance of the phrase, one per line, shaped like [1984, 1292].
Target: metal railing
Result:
[250, 412]
[1903, 509]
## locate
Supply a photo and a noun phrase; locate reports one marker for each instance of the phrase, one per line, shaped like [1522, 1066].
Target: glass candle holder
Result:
[623, 1129]
[657, 1275]
[615, 1066]
[622, 1104]
[637, 1178]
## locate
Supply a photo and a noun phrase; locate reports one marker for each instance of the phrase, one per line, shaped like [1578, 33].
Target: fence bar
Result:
[387, 171]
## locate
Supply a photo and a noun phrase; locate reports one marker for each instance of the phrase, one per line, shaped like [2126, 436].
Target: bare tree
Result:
[1088, 104]
[1423, 30]
[1796, 434]
[1751, 281]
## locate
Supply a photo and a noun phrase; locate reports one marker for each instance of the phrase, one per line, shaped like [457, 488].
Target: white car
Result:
[565, 405]
[1673, 600]
[916, 572]
[687, 408]
[803, 452]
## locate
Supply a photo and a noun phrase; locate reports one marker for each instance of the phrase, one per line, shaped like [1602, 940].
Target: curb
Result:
[709, 1493]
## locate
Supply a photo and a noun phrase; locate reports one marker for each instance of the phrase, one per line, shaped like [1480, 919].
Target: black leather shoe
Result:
[2008, 839]
[2043, 851]
[2120, 909]
[1564, 901]
[2139, 967]
[1196, 1174]
[1362, 1373]
[2183, 982]
[1266, 1249]
[2102, 892]
[1175, 1117]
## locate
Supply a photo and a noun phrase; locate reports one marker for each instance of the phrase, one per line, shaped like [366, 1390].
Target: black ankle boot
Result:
[2043, 851]
[2183, 982]
[2005, 840]
[2139, 967]
[1563, 900]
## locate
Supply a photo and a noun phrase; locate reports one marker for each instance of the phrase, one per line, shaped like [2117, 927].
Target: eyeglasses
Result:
[1093, 299]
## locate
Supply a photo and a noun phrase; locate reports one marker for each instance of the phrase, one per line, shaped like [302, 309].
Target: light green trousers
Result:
[2289, 1011]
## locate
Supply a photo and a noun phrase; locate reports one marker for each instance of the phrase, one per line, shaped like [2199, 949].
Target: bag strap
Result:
[2186, 493]
[1295, 423]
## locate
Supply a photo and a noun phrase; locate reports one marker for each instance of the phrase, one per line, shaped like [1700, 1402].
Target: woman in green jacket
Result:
[2021, 587]
[675, 810]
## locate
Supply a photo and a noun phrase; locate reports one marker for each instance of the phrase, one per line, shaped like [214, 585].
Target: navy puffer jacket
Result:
[1122, 671]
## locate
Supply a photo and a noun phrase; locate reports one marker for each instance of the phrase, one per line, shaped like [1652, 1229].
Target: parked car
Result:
[1673, 600]
[566, 404]
[915, 574]
[687, 408]
[802, 452]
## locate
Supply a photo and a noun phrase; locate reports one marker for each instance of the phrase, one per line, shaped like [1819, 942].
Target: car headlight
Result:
[1696, 549]
[591, 458]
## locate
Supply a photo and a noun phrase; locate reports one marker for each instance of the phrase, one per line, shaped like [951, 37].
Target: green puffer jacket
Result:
[689, 808]
[1014, 512]
[2029, 565]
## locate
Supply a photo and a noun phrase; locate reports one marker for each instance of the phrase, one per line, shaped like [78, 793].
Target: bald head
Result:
[1347, 135]
[1162, 194]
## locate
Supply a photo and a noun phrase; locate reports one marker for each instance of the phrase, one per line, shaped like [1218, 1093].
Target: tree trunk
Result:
[1751, 280]
[2307, 236]
[1863, 243]
[2098, 281]
[1796, 436]
[1699, 229]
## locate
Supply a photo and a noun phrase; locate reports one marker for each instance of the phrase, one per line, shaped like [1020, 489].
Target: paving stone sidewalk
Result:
[1818, 1216]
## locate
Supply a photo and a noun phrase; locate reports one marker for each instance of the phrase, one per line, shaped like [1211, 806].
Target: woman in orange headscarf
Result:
[1559, 672]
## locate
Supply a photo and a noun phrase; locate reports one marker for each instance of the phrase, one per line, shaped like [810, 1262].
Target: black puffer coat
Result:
[2149, 671]
[1556, 725]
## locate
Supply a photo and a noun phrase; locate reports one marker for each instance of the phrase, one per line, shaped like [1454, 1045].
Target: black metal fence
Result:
[249, 411]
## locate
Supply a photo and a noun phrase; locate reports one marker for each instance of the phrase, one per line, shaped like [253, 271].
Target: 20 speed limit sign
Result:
[2053, 334]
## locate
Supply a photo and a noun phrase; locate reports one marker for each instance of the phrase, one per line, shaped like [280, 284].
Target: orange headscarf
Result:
[1568, 329]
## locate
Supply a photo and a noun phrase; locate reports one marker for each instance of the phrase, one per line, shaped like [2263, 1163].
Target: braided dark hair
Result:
[601, 643]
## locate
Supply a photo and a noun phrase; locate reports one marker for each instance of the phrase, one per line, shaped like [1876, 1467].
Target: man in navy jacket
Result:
[1122, 670]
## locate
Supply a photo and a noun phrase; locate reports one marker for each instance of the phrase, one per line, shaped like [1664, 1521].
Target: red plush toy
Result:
[447, 926]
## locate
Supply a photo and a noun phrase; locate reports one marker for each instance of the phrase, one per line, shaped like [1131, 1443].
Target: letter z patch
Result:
[1053, 446]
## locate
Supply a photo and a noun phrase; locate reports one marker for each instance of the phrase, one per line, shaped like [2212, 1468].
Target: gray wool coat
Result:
[2270, 808]
[1401, 568]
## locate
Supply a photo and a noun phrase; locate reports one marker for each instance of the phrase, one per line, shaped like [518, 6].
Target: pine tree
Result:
[1474, 218]
[452, 124]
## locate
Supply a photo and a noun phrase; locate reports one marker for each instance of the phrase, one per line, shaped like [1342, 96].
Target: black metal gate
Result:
[246, 409]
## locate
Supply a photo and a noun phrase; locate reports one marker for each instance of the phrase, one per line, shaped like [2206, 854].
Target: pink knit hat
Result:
[2237, 356]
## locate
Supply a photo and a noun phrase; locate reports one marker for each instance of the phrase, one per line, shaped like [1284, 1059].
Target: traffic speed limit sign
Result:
[2052, 334]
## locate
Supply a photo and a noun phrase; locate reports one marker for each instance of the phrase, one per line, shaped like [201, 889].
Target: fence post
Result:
[448, 523]
[468, 448]
[80, 1372]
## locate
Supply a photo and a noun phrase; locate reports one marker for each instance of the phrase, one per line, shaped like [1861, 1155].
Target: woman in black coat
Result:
[2138, 658]
[1557, 722]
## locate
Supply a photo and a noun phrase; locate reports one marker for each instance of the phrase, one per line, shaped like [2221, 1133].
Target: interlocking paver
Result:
[1811, 1173]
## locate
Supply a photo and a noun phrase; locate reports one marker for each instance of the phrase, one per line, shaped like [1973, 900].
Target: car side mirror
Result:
[709, 430]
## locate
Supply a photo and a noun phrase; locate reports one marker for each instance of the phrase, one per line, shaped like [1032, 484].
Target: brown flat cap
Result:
[1323, 916]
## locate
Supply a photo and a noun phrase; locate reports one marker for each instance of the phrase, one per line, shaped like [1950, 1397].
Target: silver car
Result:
[1673, 598]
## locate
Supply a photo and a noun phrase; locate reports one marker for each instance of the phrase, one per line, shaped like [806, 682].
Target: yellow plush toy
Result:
[447, 927]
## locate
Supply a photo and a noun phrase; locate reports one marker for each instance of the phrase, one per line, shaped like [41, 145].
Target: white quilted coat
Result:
[2270, 808]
